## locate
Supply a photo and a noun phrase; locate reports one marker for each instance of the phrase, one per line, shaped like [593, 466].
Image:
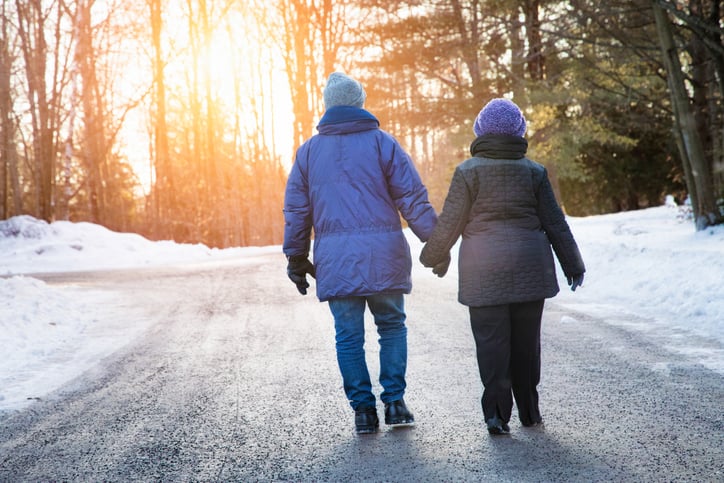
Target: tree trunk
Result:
[470, 37]
[213, 195]
[93, 146]
[163, 179]
[700, 183]
[310, 32]
[299, 65]
[7, 147]
[536, 58]
[517, 66]
[31, 30]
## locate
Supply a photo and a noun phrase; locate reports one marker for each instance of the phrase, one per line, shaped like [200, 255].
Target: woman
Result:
[503, 205]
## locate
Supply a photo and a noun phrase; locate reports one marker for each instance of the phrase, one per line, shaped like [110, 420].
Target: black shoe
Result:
[397, 413]
[533, 424]
[366, 421]
[497, 426]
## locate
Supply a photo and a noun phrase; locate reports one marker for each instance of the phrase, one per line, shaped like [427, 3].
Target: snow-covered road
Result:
[231, 376]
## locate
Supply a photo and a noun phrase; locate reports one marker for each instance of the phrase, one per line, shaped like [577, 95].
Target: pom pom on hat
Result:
[500, 116]
[342, 90]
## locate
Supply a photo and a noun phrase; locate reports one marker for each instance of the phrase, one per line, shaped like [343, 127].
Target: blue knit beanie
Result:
[342, 90]
[500, 116]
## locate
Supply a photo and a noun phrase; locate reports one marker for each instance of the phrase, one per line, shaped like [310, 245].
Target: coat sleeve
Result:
[451, 223]
[297, 210]
[559, 233]
[409, 193]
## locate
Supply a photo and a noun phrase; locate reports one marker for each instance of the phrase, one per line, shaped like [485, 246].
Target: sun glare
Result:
[219, 61]
[231, 68]
[247, 81]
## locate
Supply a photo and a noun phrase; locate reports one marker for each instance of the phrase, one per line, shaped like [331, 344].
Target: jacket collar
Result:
[346, 119]
[499, 146]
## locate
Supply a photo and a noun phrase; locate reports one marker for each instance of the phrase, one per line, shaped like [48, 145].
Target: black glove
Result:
[440, 269]
[575, 281]
[297, 270]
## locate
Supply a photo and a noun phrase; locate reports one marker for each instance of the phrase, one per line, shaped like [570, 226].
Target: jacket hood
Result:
[346, 119]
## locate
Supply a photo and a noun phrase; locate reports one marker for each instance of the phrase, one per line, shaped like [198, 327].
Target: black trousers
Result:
[507, 340]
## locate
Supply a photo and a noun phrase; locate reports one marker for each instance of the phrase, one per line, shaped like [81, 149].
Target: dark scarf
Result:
[499, 146]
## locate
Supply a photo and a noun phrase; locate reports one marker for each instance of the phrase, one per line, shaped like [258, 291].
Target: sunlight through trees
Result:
[179, 119]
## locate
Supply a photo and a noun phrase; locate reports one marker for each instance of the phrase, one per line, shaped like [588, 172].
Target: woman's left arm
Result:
[559, 233]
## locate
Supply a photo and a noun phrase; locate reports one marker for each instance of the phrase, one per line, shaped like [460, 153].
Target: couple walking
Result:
[351, 182]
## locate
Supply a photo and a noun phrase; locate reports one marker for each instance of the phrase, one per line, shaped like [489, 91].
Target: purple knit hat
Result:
[500, 116]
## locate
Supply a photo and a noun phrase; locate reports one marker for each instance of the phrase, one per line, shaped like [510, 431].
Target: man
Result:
[350, 183]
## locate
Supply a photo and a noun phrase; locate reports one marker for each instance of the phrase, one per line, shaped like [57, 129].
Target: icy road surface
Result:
[235, 379]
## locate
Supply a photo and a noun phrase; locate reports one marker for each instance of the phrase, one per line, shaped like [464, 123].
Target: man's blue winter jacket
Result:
[350, 183]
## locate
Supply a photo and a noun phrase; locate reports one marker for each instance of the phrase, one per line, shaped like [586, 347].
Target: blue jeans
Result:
[389, 314]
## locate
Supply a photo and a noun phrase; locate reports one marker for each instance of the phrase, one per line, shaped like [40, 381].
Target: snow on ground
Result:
[647, 270]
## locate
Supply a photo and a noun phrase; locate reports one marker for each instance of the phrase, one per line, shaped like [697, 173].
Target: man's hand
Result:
[297, 270]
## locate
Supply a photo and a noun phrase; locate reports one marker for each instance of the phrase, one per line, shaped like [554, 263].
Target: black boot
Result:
[366, 421]
[497, 426]
[396, 412]
[533, 424]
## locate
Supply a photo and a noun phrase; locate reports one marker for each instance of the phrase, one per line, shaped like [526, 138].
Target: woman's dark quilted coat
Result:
[503, 205]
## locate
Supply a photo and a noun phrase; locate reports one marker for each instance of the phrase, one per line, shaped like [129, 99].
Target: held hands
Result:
[575, 281]
[297, 270]
[440, 269]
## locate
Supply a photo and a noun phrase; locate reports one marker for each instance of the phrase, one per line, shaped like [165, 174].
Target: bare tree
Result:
[42, 99]
[94, 149]
[163, 186]
[310, 34]
[10, 199]
[63, 204]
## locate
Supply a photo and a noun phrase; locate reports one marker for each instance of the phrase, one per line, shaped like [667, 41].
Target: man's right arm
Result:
[297, 211]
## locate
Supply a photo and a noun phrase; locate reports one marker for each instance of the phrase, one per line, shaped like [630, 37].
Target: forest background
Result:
[178, 119]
